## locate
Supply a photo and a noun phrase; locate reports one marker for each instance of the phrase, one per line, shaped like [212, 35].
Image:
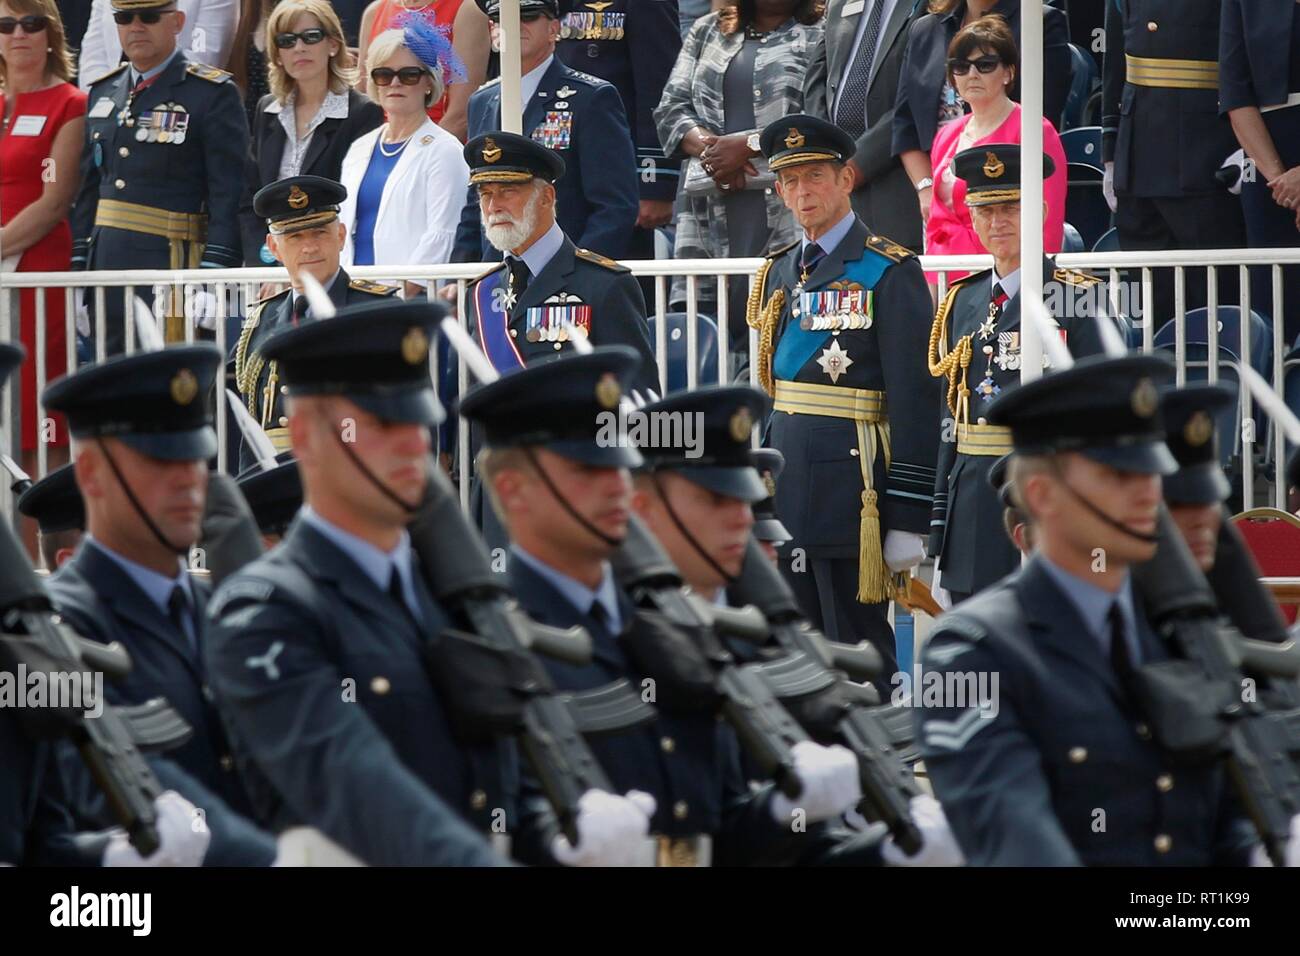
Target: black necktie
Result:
[1120, 661]
[1000, 297]
[299, 309]
[178, 610]
[519, 275]
[851, 110]
[397, 594]
[598, 614]
[812, 254]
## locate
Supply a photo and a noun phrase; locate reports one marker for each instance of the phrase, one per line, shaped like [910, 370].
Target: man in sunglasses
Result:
[207, 36]
[162, 164]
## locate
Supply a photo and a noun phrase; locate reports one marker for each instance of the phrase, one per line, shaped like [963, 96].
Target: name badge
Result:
[28, 126]
[853, 9]
[102, 109]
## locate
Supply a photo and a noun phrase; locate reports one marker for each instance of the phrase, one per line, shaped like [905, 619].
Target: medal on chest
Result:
[834, 361]
[556, 130]
[552, 320]
[842, 306]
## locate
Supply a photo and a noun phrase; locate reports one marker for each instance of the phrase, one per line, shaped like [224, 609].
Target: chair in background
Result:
[1072, 241]
[1084, 79]
[1083, 146]
[1085, 205]
[706, 344]
[1273, 538]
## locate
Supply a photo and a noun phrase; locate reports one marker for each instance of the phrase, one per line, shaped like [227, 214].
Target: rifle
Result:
[484, 667]
[1260, 745]
[743, 693]
[21, 480]
[840, 712]
[36, 639]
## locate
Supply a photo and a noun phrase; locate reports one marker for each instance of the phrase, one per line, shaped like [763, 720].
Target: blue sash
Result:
[494, 324]
[798, 345]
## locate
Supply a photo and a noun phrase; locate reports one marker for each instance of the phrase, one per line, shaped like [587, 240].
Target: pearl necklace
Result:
[401, 146]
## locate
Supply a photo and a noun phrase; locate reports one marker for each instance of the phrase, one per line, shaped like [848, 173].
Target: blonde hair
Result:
[342, 67]
[59, 60]
[382, 49]
[493, 461]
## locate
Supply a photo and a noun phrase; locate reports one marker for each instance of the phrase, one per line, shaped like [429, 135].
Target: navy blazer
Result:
[1024, 786]
[329, 144]
[1255, 53]
[925, 70]
[597, 200]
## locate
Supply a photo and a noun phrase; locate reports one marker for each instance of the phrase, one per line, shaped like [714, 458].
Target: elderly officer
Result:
[142, 434]
[305, 233]
[318, 648]
[842, 317]
[162, 165]
[524, 310]
[575, 114]
[564, 492]
[1057, 765]
[975, 345]
[55, 503]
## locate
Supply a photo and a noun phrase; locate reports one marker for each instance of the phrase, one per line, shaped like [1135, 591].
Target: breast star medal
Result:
[834, 361]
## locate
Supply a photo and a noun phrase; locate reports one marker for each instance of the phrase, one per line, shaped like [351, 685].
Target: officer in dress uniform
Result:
[564, 493]
[55, 504]
[142, 434]
[304, 232]
[1058, 766]
[1163, 138]
[842, 317]
[634, 46]
[318, 648]
[580, 117]
[975, 345]
[162, 164]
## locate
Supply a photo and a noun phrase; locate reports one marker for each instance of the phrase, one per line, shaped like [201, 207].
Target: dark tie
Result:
[178, 611]
[812, 254]
[299, 309]
[1120, 661]
[1000, 297]
[519, 275]
[397, 594]
[598, 615]
[851, 110]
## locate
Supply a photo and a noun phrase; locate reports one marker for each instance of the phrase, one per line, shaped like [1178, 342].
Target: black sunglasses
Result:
[147, 17]
[311, 36]
[30, 24]
[985, 64]
[409, 75]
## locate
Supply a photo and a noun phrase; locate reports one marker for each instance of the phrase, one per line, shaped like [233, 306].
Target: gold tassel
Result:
[873, 583]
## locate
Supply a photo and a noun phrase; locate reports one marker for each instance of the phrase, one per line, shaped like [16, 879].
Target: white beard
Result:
[511, 235]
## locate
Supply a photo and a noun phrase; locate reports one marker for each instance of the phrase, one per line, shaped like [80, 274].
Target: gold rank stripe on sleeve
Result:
[1171, 74]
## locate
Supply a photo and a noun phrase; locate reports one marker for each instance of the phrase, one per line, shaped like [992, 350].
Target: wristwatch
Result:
[752, 142]
[925, 183]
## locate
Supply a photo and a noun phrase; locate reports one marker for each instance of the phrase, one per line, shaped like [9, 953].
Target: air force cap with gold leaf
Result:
[158, 403]
[1107, 409]
[992, 173]
[798, 139]
[375, 354]
[1189, 414]
[299, 202]
[500, 157]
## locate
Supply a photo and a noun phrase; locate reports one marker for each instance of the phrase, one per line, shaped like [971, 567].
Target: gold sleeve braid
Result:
[952, 364]
[764, 318]
[249, 368]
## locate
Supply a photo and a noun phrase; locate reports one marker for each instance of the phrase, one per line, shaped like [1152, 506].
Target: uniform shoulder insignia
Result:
[889, 248]
[110, 74]
[600, 260]
[374, 288]
[271, 297]
[205, 72]
[584, 77]
[1074, 277]
[778, 253]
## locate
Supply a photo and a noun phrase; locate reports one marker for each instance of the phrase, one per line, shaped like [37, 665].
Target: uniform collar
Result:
[295, 295]
[1010, 284]
[543, 250]
[157, 587]
[834, 236]
[577, 593]
[138, 78]
[1094, 604]
[530, 81]
[376, 564]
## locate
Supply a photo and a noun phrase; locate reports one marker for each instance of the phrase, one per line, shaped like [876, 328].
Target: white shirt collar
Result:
[529, 82]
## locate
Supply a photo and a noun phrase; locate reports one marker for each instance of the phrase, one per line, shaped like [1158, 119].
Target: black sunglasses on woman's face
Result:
[408, 75]
[985, 64]
[311, 36]
[30, 24]
[147, 17]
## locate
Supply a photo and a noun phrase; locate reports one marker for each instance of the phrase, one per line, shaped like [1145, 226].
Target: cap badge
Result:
[993, 167]
[415, 346]
[1198, 429]
[491, 151]
[741, 424]
[1144, 399]
[795, 139]
[297, 198]
[608, 391]
[184, 387]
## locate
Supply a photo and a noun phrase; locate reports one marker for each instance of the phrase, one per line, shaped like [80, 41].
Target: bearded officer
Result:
[975, 347]
[303, 232]
[842, 317]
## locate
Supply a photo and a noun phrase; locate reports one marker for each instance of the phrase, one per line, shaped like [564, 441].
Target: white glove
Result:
[1108, 186]
[938, 848]
[903, 550]
[202, 308]
[83, 314]
[182, 834]
[1258, 856]
[611, 830]
[830, 783]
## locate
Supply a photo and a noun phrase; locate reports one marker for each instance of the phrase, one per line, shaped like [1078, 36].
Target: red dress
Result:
[444, 14]
[24, 148]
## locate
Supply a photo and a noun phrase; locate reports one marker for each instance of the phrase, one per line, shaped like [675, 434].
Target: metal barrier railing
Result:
[1131, 277]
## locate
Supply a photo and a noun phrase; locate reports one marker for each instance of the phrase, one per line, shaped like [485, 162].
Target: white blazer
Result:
[422, 200]
[207, 37]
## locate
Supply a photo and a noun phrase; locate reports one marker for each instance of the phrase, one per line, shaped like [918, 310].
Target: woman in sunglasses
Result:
[311, 117]
[42, 128]
[205, 37]
[982, 68]
[407, 180]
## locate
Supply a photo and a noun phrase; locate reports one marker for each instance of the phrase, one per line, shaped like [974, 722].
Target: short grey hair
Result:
[382, 50]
